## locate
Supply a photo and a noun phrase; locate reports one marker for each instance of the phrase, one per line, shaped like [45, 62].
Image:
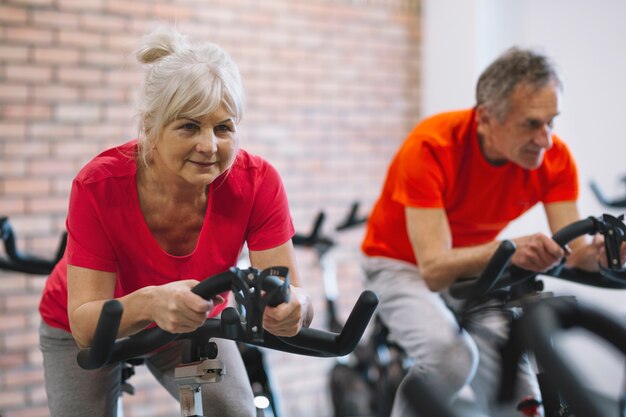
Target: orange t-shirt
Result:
[441, 165]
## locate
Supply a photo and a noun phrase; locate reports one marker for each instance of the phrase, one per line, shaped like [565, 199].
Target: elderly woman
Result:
[150, 218]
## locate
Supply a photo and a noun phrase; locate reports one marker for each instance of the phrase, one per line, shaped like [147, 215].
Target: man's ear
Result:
[483, 119]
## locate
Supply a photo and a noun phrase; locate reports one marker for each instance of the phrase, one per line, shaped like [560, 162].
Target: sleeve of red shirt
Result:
[270, 222]
[87, 245]
[420, 179]
[563, 174]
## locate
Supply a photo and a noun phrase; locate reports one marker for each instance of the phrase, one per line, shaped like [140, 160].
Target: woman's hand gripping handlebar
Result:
[499, 273]
[252, 288]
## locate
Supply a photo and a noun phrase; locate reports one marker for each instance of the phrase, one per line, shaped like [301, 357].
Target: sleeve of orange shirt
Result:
[420, 179]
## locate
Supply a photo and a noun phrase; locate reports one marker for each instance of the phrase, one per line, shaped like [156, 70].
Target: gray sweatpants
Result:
[75, 392]
[446, 356]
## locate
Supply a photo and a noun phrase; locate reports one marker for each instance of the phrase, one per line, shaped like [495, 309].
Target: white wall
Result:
[586, 39]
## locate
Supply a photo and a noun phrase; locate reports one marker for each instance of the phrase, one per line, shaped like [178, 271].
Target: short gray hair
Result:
[515, 66]
[183, 80]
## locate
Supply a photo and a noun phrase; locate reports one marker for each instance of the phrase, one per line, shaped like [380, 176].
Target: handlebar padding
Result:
[575, 230]
[104, 337]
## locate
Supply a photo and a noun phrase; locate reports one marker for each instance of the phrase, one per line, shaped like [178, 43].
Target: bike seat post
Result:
[191, 376]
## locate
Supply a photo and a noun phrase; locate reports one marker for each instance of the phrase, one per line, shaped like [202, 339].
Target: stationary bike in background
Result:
[365, 382]
[19, 262]
[615, 203]
[543, 315]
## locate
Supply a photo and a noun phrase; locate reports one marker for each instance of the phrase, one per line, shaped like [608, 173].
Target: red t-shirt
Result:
[441, 165]
[107, 230]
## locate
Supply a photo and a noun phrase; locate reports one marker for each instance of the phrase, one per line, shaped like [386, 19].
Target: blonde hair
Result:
[183, 80]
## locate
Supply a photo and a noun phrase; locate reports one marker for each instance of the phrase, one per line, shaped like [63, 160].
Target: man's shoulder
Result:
[444, 130]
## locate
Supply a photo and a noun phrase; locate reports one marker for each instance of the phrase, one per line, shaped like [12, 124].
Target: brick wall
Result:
[332, 88]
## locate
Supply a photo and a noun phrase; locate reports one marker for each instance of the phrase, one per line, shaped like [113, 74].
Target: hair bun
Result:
[161, 42]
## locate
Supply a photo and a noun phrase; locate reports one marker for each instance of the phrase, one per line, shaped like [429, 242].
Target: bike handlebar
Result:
[310, 342]
[21, 262]
[496, 276]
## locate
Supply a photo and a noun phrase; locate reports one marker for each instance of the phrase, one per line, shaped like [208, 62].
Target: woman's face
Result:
[198, 150]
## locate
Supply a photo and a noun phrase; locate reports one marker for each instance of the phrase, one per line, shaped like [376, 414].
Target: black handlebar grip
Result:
[277, 290]
[104, 337]
[215, 285]
[333, 344]
[476, 287]
[577, 229]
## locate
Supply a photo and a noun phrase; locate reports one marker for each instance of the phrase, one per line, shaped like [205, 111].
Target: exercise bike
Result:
[20, 262]
[365, 382]
[537, 329]
[523, 289]
[615, 203]
[252, 288]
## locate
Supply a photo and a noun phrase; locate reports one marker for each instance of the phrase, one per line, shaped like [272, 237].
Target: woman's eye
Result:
[189, 126]
[223, 128]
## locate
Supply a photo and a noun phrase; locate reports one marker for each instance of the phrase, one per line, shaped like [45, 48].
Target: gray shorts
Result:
[75, 392]
[447, 356]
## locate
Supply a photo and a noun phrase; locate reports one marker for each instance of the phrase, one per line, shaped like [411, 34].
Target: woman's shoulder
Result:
[119, 161]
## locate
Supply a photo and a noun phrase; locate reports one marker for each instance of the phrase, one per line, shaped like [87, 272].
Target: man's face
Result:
[526, 132]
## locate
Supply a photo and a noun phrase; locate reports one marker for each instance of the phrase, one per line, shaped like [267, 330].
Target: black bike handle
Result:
[20, 262]
[488, 280]
[104, 337]
[476, 287]
[309, 342]
[104, 344]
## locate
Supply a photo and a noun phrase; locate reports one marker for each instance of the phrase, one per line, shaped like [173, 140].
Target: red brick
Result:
[23, 149]
[49, 167]
[71, 149]
[80, 38]
[12, 360]
[89, 5]
[54, 19]
[104, 22]
[51, 130]
[34, 2]
[12, 399]
[55, 93]
[13, 321]
[26, 111]
[12, 14]
[16, 341]
[172, 10]
[24, 377]
[14, 92]
[103, 94]
[12, 168]
[29, 411]
[67, 56]
[24, 302]
[12, 129]
[133, 8]
[28, 35]
[77, 113]
[80, 76]
[28, 73]
[11, 206]
[14, 53]
[17, 186]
